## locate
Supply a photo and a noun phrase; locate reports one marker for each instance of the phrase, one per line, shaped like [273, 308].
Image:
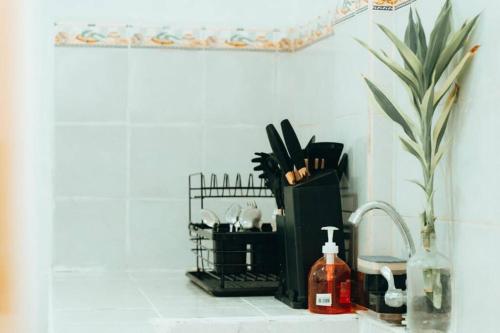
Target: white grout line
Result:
[204, 110]
[127, 167]
[51, 310]
[98, 198]
[150, 302]
[90, 123]
[130, 123]
[94, 309]
[255, 307]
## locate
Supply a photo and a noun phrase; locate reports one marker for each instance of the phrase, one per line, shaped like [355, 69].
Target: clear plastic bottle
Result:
[330, 281]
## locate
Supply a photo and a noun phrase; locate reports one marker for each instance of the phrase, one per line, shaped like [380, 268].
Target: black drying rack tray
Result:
[235, 285]
[242, 263]
[223, 268]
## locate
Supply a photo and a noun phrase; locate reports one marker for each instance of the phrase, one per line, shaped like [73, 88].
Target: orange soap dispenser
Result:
[330, 281]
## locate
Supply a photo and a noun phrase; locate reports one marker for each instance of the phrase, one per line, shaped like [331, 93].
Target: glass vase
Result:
[429, 293]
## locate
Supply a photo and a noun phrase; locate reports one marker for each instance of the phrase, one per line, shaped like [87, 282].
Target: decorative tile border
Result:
[174, 37]
[390, 5]
[91, 35]
[349, 8]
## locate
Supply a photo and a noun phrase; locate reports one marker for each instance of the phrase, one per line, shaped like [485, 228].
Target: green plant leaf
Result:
[450, 80]
[437, 41]
[442, 122]
[422, 45]
[405, 75]
[416, 182]
[388, 107]
[427, 105]
[456, 42]
[415, 150]
[410, 59]
[411, 36]
[438, 156]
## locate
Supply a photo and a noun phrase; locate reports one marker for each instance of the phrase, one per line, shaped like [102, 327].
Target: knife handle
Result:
[302, 172]
[290, 177]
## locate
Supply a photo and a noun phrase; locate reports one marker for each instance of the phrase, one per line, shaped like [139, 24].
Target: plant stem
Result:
[428, 218]
[428, 230]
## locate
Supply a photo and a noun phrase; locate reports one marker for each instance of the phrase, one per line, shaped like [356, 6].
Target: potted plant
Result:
[432, 65]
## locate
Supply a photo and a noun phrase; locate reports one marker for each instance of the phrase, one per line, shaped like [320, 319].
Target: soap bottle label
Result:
[324, 299]
[345, 292]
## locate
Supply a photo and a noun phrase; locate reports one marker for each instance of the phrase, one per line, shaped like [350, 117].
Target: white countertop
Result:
[146, 302]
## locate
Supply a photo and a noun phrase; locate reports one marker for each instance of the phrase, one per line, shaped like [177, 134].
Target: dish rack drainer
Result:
[243, 263]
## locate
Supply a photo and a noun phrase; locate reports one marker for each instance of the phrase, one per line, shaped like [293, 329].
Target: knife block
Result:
[309, 206]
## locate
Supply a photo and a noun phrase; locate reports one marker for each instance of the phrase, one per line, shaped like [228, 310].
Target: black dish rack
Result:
[243, 263]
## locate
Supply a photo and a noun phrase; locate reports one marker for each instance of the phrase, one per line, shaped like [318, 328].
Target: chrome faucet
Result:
[357, 216]
[393, 297]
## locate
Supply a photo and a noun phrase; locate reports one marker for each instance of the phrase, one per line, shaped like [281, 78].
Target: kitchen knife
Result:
[342, 169]
[280, 153]
[306, 149]
[294, 148]
[311, 141]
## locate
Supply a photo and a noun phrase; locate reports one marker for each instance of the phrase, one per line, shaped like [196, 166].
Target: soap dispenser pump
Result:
[330, 281]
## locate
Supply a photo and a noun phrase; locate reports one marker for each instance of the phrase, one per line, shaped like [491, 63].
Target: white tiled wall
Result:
[132, 124]
[258, 13]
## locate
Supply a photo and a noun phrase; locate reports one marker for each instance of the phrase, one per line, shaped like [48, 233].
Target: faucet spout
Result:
[356, 218]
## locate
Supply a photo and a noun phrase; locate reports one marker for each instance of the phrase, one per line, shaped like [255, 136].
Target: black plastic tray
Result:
[236, 285]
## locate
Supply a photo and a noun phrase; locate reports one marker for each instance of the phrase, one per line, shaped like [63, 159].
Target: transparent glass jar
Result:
[429, 291]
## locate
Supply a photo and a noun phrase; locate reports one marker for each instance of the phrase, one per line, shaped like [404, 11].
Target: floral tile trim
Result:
[390, 5]
[349, 8]
[91, 35]
[175, 37]
[166, 37]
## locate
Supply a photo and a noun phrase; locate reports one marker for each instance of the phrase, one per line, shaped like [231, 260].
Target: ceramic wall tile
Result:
[83, 170]
[165, 87]
[240, 90]
[83, 294]
[245, 324]
[382, 159]
[287, 86]
[161, 158]
[90, 84]
[352, 131]
[476, 280]
[158, 235]
[105, 316]
[409, 198]
[108, 328]
[373, 231]
[313, 100]
[89, 233]
[230, 149]
[349, 64]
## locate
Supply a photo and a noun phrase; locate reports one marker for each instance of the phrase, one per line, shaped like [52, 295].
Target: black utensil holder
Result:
[309, 206]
